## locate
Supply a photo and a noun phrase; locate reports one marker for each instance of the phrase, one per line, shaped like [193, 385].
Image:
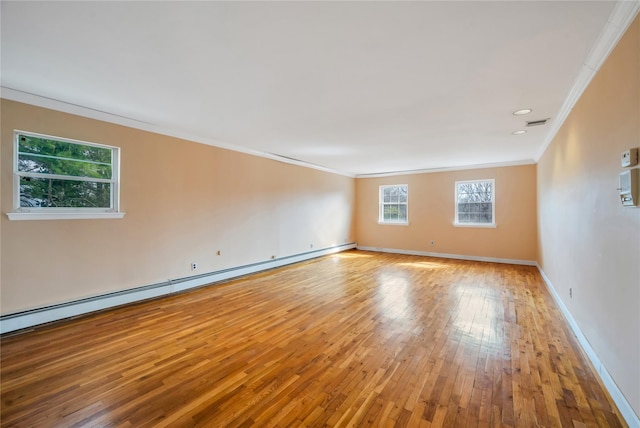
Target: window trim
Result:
[53, 213]
[381, 206]
[493, 223]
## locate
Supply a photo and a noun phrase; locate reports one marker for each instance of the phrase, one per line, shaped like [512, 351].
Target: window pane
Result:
[475, 192]
[394, 194]
[475, 213]
[70, 167]
[61, 149]
[402, 212]
[41, 192]
[402, 194]
[394, 212]
[391, 212]
[481, 217]
[464, 189]
[387, 194]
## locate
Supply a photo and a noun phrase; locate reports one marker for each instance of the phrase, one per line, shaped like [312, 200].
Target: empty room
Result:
[320, 213]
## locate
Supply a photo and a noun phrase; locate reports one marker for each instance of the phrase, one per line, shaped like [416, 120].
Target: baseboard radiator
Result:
[33, 317]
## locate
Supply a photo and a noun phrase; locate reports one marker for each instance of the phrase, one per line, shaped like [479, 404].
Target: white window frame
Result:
[381, 205]
[65, 213]
[493, 204]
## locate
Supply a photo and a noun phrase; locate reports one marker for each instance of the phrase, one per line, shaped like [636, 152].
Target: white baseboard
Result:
[33, 317]
[449, 256]
[618, 397]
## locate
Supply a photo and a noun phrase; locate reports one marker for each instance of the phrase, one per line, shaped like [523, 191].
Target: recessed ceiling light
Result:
[521, 112]
[520, 132]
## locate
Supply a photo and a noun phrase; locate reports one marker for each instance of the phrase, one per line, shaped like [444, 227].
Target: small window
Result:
[475, 203]
[61, 178]
[393, 204]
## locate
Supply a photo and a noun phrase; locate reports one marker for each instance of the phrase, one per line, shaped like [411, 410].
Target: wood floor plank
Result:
[351, 339]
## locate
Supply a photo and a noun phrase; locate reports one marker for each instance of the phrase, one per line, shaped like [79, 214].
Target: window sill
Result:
[63, 215]
[481, 225]
[390, 223]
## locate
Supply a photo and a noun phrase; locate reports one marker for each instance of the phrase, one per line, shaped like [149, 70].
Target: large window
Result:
[394, 204]
[475, 203]
[61, 178]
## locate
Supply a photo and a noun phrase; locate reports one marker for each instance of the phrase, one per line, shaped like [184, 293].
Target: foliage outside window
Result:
[58, 175]
[394, 204]
[475, 203]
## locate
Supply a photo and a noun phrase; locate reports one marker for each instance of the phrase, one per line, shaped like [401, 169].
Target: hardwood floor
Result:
[353, 339]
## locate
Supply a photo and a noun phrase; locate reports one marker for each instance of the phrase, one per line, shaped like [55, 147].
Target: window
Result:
[61, 178]
[475, 203]
[393, 204]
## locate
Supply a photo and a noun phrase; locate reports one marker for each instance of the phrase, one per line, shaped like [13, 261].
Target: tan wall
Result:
[587, 240]
[432, 212]
[183, 202]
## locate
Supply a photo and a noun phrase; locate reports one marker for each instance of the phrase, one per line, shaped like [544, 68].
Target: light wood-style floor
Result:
[353, 339]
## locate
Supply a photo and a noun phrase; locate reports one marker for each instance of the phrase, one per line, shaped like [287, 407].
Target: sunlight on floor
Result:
[477, 315]
[395, 301]
[424, 265]
[351, 255]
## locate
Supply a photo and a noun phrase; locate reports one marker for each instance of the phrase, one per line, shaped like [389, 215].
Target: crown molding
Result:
[78, 110]
[446, 169]
[621, 17]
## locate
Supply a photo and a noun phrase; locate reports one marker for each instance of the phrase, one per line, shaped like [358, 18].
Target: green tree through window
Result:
[60, 173]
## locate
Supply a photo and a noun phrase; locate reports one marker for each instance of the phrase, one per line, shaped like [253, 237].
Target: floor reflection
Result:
[394, 297]
[351, 255]
[478, 315]
[423, 265]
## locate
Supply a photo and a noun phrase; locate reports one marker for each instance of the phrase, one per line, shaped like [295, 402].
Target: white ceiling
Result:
[356, 87]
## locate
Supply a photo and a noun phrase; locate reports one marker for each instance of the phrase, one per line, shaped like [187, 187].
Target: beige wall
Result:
[587, 240]
[183, 202]
[432, 212]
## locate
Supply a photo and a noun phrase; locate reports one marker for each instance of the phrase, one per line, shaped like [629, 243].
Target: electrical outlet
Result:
[571, 293]
[218, 252]
[194, 266]
[433, 243]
